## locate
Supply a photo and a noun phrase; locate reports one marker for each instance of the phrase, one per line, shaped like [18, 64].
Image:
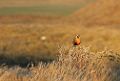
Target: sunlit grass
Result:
[74, 64]
[24, 41]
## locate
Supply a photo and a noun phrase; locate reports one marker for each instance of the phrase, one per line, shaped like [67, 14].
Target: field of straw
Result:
[44, 52]
[73, 64]
[36, 40]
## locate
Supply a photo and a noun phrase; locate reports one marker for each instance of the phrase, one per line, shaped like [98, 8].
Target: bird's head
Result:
[77, 36]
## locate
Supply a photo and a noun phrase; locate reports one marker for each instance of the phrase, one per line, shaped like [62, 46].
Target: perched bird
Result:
[76, 40]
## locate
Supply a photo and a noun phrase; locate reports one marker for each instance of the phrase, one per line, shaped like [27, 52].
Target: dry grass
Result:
[28, 40]
[20, 43]
[99, 12]
[73, 64]
[17, 38]
[23, 41]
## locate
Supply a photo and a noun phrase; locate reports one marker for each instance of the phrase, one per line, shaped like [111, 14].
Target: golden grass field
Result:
[73, 64]
[22, 44]
[39, 47]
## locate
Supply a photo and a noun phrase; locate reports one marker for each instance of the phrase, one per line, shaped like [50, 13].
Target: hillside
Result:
[99, 12]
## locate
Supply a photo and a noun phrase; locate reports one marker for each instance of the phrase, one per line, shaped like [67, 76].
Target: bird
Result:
[76, 40]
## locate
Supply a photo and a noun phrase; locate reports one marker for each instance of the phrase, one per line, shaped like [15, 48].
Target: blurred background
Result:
[34, 30]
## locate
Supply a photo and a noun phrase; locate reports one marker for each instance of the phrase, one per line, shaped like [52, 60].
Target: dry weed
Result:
[73, 64]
